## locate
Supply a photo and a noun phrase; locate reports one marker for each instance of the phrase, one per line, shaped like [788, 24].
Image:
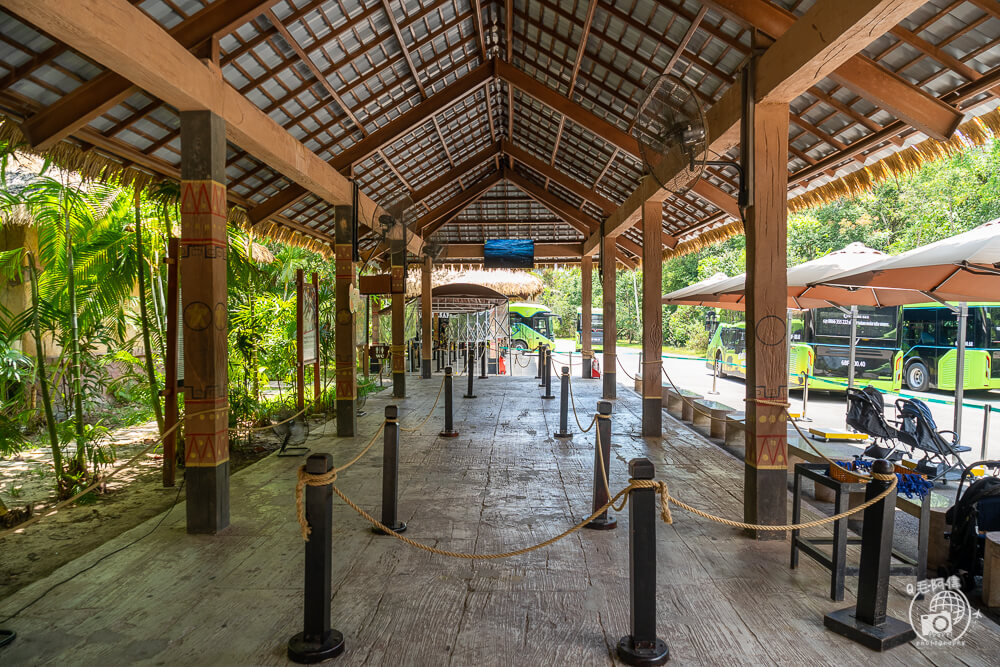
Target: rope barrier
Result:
[621, 366]
[420, 425]
[572, 401]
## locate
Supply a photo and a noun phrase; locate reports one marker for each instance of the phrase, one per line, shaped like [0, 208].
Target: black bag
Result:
[963, 550]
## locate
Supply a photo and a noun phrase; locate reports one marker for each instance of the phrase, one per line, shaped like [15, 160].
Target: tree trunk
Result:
[154, 390]
[76, 374]
[43, 380]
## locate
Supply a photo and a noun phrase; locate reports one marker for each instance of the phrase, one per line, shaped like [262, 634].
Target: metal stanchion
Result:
[317, 641]
[867, 622]
[641, 646]
[484, 351]
[715, 377]
[564, 405]
[390, 473]
[547, 375]
[805, 397]
[541, 355]
[469, 365]
[987, 409]
[449, 406]
[602, 467]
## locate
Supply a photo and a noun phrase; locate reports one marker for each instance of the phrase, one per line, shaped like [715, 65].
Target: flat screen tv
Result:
[509, 254]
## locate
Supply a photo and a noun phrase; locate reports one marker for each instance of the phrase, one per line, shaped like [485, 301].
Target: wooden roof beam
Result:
[826, 36]
[383, 136]
[429, 223]
[717, 197]
[118, 35]
[74, 110]
[540, 166]
[858, 73]
[532, 87]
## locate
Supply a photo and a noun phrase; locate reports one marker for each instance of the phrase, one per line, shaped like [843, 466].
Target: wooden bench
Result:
[736, 427]
[713, 415]
[680, 404]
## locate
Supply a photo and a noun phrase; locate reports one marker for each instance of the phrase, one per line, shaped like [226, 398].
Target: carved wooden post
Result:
[765, 487]
[397, 256]
[425, 317]
[317, 385]
[204, 310]
[346, 351]
[608, 316]
[652, 318]
[587, 277]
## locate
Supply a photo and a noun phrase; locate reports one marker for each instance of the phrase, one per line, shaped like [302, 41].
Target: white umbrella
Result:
[962, 268]
[682, 297]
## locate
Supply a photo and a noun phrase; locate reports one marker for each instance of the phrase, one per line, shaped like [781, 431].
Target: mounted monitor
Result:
[509, 254]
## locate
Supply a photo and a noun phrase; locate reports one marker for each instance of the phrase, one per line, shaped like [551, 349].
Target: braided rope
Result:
[621, 366]
[420, 425]
[572, 401]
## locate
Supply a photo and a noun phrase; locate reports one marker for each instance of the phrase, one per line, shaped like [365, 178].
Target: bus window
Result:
[948, 328]
[920, 327]
[542, 325]
[993, 325]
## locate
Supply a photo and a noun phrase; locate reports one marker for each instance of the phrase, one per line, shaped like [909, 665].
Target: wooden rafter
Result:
[890, 91]
[72, 111]
[385, 135]
[551, 173]
[821, 41]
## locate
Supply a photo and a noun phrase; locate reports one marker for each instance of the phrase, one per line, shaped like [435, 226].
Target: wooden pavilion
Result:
[499, 119]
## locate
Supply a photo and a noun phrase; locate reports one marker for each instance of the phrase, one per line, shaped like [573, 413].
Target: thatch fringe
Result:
[101, 167]
[514, 284]
[710, 237]
[975, 132]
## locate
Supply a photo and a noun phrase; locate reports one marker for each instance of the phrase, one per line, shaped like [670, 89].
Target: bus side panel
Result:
[977, 370]
[995, 369]
[872, 365]
[798, 364]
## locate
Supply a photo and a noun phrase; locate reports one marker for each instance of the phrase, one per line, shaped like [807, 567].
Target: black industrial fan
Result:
[670, 123]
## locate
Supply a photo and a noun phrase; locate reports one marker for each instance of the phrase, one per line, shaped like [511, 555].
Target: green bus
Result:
[531, 324]
[913, 346]
[727, 352]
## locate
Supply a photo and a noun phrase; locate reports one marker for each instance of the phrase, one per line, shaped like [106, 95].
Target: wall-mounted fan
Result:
[669, 118]
[433, 250]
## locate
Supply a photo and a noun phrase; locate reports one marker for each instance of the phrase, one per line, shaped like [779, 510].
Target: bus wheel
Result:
[719, 366]
[917, 378]
[520, 345]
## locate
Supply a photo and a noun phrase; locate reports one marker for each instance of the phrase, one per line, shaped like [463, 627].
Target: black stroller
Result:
[917, 430]
[866, 414]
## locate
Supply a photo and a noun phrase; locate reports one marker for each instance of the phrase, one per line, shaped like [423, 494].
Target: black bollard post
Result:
[548, 374]
[602, 462]
[642, 646]
[390, 473]
[484, 352]
[449, 406]
[317, 642]
[541, 355]
[470, 366]
[564, 405]
[867, 623]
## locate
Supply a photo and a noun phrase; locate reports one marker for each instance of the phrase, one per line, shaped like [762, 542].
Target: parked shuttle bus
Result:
[900, 346]
[531, 324]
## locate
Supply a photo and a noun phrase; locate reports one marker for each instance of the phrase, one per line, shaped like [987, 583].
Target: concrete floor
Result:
[504, 483]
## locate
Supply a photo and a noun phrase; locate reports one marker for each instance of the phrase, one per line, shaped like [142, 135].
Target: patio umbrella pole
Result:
[963, 317]
[853, 347]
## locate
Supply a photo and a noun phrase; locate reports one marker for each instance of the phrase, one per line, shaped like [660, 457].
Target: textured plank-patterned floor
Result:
[504, 483]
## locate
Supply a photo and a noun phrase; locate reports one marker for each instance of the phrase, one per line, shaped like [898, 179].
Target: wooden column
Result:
[397, 256]
[425, 317]
[652, 318]
[608, 317]
[317, 365]
[587, 286]
[300, 355]
[345, 333]
[765, 489]
[171, 386]
[204, 311]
